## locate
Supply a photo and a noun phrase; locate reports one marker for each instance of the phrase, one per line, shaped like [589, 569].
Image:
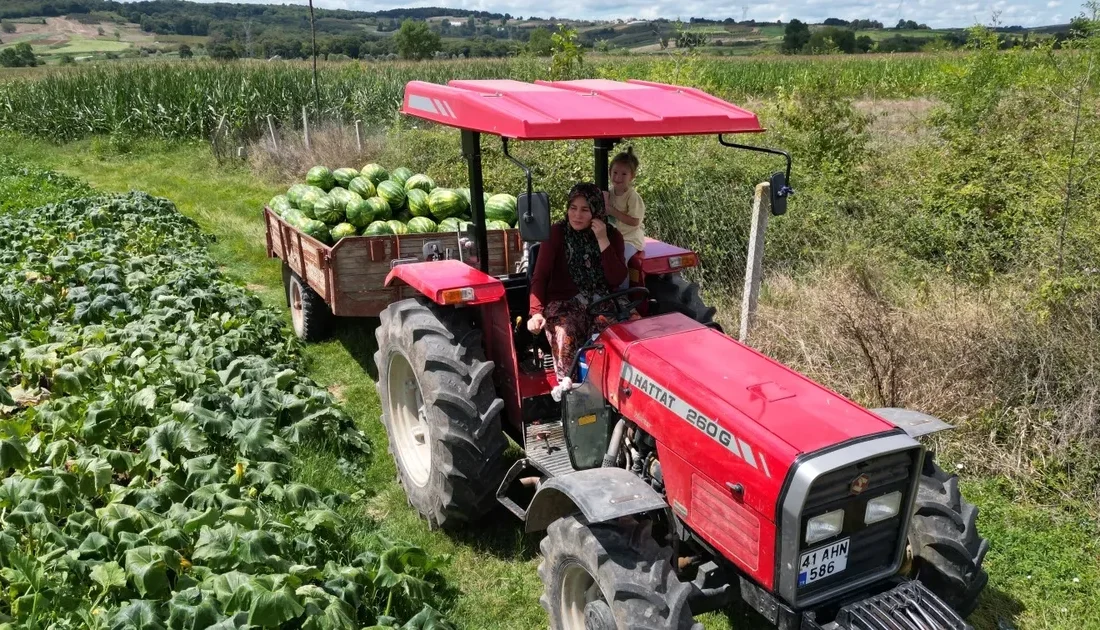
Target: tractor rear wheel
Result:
[947, 551]
[610, 577]
[676, 294]
[440, 410]
[309, 315]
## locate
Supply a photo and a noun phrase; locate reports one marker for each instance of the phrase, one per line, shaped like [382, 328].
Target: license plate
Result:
[823, 562]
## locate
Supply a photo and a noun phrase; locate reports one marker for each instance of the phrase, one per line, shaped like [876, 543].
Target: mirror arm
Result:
[526, 170]
[786, 190]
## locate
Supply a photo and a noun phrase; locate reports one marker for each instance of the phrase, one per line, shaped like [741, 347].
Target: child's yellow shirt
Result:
[630, 203]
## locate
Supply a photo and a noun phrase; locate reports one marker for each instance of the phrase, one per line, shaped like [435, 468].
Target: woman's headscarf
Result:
[582, 250]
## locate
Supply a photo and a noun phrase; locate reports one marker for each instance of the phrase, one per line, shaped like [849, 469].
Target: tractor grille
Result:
[872, 547]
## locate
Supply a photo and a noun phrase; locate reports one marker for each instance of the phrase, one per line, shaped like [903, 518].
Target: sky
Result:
[935, 13]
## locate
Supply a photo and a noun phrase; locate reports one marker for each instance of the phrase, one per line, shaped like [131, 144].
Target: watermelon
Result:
[362, 187]
[418, 203]
[374, 173]
[422, 225]
[316, 229]
[295, 192]
[279, 204]
[401, 175]
[421, 181]
[452, 224]
[501, 207]
[446, 203]
[341, 230]
[377, 228]
[380, 209]
[342, 197]
[465, 192]
[309, 199]
[327, 211]
[397, 226]
[392, 193]
[320, 177]
[494, 224]
[359, 213]
[343, 176]
[294, 217]
[403, 215]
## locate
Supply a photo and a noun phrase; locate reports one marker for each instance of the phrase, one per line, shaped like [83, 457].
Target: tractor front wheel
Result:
[610, 577]
[675, 294]
[946, 549]
[440, 410]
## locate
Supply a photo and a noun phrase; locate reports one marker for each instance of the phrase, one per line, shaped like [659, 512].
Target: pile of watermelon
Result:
[372, 201]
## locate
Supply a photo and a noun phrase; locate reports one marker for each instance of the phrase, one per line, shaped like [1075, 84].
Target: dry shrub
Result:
[331, 144]
[1022, 388]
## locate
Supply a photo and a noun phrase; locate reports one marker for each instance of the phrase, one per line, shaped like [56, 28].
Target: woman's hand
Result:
[599, 228]
[536, 323]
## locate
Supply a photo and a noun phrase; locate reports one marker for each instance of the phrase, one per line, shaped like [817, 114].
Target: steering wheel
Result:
[621, 314]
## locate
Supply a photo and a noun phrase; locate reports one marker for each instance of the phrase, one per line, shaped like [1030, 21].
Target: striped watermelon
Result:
[380, 209]
[341, 230]
[421, 181]
[392, 193]
[401, 175]
[343, 197]
[397, 226]
[362, 187]
[418, 203]
[375, 173]
[501, 207]
[446, 203]
[377, 228]
[343, 176]
[320, 177]
[295, 192]
[494, 224]
[279, 204]
[310, 198]
[422, 225]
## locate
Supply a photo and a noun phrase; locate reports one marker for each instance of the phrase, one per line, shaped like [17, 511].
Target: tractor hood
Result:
[743, 391]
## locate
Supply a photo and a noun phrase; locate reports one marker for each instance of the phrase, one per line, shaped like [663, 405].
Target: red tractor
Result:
[687, 469]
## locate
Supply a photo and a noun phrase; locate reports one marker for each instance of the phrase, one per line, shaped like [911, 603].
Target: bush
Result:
[19, 56]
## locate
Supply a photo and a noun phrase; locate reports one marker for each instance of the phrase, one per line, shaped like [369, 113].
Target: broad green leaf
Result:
[172, 439]
[256, 547]
[191, 609]
[13, 454]
[271, 609]
[299, 495]
[14, 490]
[94, 547]
[200, 519]
[28, 512]
[24, 572]
[324, 520]
[216, 548]
[97, 471]
[203, 470]
[233, 590]
[108, 575]
[145, 399]
[138, 614]
[57, 452]
[119, 517]
[242, 515]
[428, 619]
[148, 568]
[255, 438]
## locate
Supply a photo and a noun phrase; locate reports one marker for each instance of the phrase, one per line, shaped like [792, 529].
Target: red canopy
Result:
[565, 110]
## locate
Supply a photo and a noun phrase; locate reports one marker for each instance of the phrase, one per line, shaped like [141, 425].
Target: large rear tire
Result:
[440, 410]
[610, 577]
[310, 317]
[675, 294]
[947, 551]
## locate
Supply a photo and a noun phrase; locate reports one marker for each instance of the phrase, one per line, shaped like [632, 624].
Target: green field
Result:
[914, 268]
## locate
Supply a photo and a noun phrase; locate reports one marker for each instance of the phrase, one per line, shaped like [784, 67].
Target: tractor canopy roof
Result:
[569, 110]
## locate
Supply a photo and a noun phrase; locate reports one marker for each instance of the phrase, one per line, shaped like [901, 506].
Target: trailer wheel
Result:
[440, 410]
[610, 577]
[309, 315]
[947, 551]
[675, 294]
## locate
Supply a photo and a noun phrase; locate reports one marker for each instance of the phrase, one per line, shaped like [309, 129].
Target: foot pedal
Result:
[545, 446]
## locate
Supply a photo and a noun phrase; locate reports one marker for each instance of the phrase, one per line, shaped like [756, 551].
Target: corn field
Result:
[180, 100]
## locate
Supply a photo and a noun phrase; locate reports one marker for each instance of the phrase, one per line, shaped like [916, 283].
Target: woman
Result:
[579, 264]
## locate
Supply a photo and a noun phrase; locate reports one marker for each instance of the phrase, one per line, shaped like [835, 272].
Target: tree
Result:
[795, 36]
[415, 41]
[568, 56]
[830, 40]
[185, 52]
[223, 52]
[18, 56]
[539, 44]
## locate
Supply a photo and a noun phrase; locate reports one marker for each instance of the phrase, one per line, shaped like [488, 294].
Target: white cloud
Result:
[935, 13]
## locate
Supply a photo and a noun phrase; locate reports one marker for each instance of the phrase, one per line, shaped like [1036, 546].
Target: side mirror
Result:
[779, 192]
[534, 216]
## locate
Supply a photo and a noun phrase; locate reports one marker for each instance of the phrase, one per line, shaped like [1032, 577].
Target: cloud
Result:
[935, 13]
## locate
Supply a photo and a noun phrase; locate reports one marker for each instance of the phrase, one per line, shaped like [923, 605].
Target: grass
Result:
[79, 45]
[1036, 552]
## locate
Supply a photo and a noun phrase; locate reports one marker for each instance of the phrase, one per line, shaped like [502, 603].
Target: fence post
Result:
[761, 208]
[305, 126]
[271, 130]
[359, 135]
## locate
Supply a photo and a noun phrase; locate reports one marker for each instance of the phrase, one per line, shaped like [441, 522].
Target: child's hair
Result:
[627, 159]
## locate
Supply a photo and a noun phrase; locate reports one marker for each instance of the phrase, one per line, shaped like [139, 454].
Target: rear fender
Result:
[448, 282]
[600, 494]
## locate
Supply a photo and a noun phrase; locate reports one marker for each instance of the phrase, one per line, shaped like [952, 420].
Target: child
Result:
[625, 204]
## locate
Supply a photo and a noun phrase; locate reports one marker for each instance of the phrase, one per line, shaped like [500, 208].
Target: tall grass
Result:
[188, 99]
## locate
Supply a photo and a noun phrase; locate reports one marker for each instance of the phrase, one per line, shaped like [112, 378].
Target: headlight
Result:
[825, 526]
[882, 508]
